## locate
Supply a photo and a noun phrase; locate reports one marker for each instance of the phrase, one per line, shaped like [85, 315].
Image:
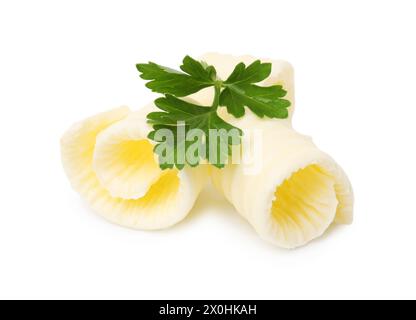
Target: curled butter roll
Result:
[298, 190]
[110, 162]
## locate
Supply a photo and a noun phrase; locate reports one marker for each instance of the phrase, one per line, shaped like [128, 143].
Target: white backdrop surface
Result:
[61, 61]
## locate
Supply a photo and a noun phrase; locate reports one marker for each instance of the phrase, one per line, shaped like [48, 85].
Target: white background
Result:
[61, 61]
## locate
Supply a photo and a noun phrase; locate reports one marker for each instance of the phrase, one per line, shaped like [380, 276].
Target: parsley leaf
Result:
[186, 133]
[195, 77]
[240, 91]
[179, 115]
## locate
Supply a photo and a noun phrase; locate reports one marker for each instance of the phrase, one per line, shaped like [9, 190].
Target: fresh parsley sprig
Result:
[178, 116]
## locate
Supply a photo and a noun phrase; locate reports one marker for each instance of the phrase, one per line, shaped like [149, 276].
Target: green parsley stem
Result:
[216, 102]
